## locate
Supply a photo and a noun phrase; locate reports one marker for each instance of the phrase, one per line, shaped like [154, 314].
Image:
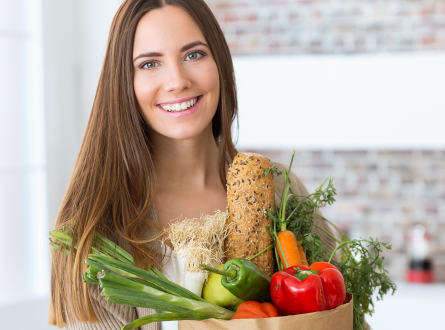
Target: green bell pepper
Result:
[243, 279]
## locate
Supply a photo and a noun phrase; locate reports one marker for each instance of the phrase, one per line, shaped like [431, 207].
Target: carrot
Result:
[302, 254]
[289, 245]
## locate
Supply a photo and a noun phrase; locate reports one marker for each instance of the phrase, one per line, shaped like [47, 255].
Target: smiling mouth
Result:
[180, 106]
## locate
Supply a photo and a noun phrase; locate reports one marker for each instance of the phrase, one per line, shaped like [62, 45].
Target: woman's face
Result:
[176, 79]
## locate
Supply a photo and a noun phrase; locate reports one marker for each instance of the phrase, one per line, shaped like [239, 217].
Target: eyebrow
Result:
[183, 49]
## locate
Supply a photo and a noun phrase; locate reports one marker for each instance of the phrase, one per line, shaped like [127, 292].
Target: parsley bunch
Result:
[360, 261]
[362, 267]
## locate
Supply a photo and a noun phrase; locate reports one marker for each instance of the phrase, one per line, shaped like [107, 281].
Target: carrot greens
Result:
[360, 261]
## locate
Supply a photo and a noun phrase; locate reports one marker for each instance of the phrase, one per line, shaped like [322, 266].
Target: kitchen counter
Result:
[413, 306]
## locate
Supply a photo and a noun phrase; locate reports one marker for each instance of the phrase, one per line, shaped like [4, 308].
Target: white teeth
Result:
[180, 106]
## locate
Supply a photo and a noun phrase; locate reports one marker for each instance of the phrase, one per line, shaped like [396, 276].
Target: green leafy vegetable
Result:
[112, 268]
[362, 267]
[360, 261]
[272, 169]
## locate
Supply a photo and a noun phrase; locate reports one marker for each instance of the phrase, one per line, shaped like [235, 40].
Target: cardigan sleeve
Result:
[300, 189]
[114, 316]
[111, 316]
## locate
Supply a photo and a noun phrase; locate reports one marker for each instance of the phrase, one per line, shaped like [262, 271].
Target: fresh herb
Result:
[272, 169]
[302, 212]
[297, 214]
[364, 273]
[360, 261]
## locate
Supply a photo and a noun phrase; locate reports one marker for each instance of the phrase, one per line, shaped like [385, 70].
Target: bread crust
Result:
[249, 195]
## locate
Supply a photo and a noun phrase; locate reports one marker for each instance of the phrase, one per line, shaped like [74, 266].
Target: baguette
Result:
[249, 195]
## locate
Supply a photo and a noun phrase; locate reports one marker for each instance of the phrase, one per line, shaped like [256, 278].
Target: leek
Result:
[118, 288]
[196, 242]
[112, 268]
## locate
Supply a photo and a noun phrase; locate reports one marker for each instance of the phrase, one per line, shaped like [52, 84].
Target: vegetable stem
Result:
[158, 317]
[326, 232]
[263, 250]
[154, 280]
[330, 222]
[343, 244]
[226, 273]
[282, 252]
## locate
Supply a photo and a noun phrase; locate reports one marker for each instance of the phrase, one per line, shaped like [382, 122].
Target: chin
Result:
[185, 133]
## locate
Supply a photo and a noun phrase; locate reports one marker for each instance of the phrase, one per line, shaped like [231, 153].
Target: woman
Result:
[157, 147]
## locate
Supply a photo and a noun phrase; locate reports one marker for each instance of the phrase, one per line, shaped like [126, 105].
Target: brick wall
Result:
[380, 193]
[330, 26]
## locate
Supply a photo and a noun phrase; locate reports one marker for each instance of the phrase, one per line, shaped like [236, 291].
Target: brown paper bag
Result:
[340, 318]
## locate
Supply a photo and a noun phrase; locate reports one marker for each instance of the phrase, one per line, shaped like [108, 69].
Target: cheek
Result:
[209, 80]
[145, 94]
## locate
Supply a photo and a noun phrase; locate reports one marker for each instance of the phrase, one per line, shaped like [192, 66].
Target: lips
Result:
[179, 104]
[182, 112]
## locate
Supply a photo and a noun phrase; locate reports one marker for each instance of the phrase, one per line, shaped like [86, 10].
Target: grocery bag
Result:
[340, 318]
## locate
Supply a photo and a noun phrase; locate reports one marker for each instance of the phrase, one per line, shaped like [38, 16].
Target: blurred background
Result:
[356, 88]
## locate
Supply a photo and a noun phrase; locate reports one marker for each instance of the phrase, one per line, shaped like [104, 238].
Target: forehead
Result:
[166, 29]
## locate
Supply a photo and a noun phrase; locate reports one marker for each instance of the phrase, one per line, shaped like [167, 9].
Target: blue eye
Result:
[194, 55]
[149, 65]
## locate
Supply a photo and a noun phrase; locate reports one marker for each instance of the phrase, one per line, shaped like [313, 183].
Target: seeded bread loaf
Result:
[249, 195]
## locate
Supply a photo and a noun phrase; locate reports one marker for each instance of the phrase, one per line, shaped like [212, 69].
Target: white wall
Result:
[388, 101]
[22, 154]
[75, 37]
[51, 54]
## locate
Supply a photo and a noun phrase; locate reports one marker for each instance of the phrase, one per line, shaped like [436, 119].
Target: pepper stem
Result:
[303, 274]
[226, 273]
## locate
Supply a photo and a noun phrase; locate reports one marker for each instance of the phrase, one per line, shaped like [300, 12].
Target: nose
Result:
[176, 78]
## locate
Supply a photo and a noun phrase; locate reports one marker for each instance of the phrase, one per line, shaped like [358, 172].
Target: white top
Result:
[171, 270]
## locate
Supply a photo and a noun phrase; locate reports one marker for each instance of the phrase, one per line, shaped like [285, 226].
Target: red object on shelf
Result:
[420, 271]
[420, 276]
[420, 268]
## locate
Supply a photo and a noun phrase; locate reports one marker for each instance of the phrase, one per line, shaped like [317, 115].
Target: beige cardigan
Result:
[114, 317]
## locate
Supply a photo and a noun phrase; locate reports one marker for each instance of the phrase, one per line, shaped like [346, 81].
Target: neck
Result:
[191, 162]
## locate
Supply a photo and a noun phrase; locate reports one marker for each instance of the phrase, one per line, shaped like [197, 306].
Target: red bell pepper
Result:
[255, 310]
[301, 289]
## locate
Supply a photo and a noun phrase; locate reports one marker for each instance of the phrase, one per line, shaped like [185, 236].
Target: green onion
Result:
[199, 308]
[87, 278]
[112, 249]
[155, 281]
[112, 268]
[157, 318]
[65, 251]
[156, 271]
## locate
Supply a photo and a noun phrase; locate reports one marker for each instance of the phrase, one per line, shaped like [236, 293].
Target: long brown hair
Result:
[113, 183]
